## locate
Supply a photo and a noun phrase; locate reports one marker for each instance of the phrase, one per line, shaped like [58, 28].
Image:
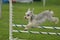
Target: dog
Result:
[35, 20]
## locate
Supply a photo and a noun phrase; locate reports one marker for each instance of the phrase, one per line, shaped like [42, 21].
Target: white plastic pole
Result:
[10, 20]
[0, 8]
[44, 3]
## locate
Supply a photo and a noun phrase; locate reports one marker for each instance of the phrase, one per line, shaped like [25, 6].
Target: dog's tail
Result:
[49, 9]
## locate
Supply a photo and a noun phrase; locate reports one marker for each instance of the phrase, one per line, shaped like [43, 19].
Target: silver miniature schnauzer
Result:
[35, 20]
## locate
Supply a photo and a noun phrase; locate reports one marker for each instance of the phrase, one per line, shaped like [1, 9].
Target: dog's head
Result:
[28, 14]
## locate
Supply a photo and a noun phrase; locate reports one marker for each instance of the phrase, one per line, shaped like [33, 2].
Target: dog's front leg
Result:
[28, 26]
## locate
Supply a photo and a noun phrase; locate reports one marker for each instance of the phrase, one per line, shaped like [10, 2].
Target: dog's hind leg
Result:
[54, 19]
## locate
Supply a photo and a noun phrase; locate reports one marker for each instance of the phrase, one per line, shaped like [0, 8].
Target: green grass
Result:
[19, 10]
[4, 21]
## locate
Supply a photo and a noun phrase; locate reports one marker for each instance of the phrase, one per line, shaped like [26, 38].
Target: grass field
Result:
[4, 21]
[19, 10]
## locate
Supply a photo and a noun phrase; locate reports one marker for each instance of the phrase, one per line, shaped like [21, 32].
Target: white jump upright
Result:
[10, 20]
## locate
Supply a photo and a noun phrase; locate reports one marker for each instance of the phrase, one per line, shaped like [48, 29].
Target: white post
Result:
[44, 3]
[0, 8]
[10, 20]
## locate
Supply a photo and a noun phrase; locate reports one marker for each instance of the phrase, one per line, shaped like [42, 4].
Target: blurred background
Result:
[19, 9]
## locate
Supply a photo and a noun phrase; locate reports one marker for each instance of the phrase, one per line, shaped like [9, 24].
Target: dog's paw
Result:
[26, 29]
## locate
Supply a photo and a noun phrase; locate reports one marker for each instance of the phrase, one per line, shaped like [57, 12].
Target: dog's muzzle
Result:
[25, 17]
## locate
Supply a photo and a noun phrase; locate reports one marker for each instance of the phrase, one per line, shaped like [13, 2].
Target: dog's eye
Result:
[28, 15]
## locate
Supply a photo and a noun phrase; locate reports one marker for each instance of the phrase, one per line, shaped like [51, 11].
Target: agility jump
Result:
[37, 17]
